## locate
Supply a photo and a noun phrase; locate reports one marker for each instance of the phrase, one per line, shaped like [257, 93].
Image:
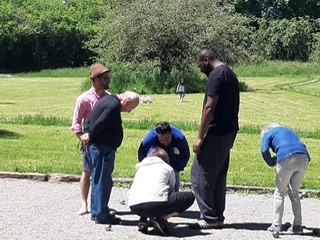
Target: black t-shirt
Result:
[223, 82]
[104, 124]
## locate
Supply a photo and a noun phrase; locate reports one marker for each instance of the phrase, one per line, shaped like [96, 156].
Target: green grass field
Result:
[36, 112]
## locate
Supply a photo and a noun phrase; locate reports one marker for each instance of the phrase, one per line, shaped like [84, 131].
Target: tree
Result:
[36, 34]
[278, 9]
[284, 39]
[170, 32]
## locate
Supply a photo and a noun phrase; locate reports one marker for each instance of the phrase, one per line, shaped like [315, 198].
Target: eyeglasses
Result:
[106, 78]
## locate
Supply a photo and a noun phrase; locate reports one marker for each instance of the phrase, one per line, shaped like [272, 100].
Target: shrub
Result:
[315, 53]
[243, 87]
[37, 34]
[283, 39]
[169, 33]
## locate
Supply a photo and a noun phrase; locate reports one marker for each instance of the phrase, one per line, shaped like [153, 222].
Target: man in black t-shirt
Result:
[216, 135]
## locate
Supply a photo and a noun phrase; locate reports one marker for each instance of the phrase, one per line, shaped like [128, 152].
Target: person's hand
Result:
[85, 140]
[197, 145]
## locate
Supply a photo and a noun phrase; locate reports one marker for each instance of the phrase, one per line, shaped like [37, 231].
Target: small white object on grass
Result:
[146, 99]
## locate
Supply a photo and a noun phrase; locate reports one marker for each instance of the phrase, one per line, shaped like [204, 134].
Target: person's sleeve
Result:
[214, 85]
[265, 151]
[172, 180]
[145, 145]
[182, 158]
[78, 116]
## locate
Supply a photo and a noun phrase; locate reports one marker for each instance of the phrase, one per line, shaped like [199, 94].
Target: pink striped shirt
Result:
[83, 108]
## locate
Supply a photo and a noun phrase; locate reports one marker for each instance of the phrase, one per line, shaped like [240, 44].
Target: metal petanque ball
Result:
[122, 201]
[276, 234]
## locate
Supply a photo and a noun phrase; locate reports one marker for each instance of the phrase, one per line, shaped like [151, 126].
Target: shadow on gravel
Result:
[185, 231]
[248, 226]
[125, 222]
[178, 232]
[121, 213]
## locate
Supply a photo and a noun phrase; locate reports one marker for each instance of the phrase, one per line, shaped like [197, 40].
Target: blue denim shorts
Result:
[86, 165]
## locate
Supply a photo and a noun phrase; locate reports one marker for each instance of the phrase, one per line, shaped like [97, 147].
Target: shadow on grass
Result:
[8, 134]
[7, 103]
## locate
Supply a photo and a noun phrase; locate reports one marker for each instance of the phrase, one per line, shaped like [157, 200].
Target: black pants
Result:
[177, 202]
[209, 175]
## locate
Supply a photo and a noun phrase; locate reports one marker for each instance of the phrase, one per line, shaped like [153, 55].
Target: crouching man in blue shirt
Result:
[291, 160]
[173, 141]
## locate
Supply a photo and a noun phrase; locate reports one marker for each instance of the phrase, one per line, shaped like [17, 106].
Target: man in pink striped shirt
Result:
[100, 77]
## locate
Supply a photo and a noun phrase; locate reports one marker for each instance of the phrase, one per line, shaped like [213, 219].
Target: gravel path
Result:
[32, 210]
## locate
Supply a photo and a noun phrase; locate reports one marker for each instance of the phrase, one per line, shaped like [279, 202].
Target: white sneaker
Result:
[112, 211]
[274, 228]
[295, 229]
[83, 210]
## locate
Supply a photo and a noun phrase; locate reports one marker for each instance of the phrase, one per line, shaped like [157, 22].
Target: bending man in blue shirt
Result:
[173, 141]
[291, 160]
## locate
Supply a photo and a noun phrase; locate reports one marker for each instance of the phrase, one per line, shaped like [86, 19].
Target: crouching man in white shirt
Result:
[152, 195]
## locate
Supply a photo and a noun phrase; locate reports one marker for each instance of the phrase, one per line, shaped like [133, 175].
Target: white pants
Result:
[289, 175]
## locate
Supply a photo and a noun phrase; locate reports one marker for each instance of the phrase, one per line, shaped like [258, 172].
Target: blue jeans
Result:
[86, 165]
[102, 164]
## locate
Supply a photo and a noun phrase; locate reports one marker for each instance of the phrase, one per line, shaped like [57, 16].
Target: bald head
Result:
[129, 101]
[207, 55]
[134, 97]
[207, 60]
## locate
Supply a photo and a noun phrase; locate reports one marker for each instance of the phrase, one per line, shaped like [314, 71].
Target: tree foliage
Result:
[170, 33]
[151, 44]
[279, 9]
[36, 34]
[287, 40]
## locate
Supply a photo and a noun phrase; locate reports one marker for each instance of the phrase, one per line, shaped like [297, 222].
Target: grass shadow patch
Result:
[7, 103]
[8, 134]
